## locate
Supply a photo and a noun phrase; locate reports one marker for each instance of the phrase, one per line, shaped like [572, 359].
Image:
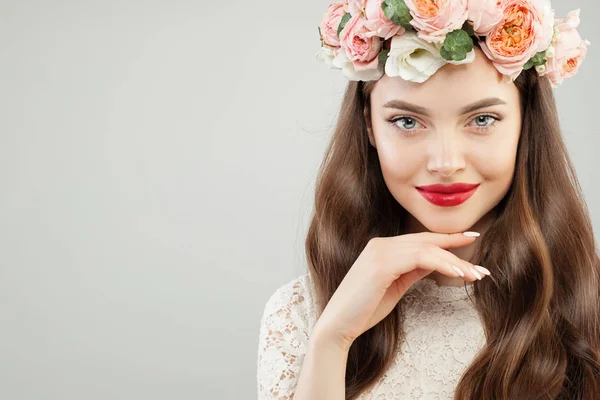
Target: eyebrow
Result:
[487, 102]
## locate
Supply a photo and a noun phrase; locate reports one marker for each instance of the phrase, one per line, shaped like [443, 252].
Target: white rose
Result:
[326, 55]
[414, 59]
[342, 61]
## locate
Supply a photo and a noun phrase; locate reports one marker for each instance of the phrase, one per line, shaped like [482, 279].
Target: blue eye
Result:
[410, 125]
[405, 123]
[482, 120]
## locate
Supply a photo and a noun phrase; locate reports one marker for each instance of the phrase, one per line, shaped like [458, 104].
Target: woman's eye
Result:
[484, 121]
[410, 125]
[405, 123]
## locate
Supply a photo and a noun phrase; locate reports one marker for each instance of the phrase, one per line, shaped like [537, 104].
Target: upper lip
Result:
[453, 188]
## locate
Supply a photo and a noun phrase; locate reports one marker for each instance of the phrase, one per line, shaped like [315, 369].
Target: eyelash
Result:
[410, 132]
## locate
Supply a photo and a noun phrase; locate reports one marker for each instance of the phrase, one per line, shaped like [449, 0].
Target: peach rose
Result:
[378, 23]
[330, 22]
[525, 30]
[568, 49]
[361, 49]
[484, 15]
[433, 19]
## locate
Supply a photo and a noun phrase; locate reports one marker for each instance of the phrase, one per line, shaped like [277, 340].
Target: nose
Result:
[446, 156]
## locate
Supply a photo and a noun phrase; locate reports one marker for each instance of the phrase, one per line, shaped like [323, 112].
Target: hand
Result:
[382, 273]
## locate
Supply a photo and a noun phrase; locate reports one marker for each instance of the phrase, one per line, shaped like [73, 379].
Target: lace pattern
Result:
[443, 335]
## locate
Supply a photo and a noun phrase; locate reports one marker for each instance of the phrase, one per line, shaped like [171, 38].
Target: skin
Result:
[447, 146]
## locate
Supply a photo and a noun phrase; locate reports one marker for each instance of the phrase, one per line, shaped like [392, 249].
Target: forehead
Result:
[450, 87]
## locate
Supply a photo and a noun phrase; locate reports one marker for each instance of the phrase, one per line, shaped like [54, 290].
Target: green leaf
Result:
[320, 35]
[343, 22]
[445, 54]
[456, 45]
[458, 39]
[538, 59]
[397, 12]
[383, 54]
[528, 64]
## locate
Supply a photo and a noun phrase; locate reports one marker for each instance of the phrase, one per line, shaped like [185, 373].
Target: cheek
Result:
[399, 162]
[497, 168]
[496, 160]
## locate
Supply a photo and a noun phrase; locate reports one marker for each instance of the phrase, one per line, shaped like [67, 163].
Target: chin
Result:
[451, 225]
[452, 228]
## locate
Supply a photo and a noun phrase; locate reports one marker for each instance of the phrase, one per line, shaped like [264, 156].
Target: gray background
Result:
[157, 172]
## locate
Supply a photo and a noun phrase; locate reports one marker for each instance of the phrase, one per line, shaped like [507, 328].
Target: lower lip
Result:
[447, 199]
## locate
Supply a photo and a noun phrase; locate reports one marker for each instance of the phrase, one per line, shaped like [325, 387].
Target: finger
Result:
[433, 258]
[448, 240]
[471, 271]
[444, 240]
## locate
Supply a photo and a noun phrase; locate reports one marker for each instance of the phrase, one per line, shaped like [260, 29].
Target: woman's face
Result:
[462, 125]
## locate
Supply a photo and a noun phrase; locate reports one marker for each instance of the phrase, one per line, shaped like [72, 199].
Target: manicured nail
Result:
[477, 274]
[458, 271]
[469, 233]
[482, 270]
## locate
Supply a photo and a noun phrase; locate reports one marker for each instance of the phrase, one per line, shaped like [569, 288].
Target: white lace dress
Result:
[443, 334]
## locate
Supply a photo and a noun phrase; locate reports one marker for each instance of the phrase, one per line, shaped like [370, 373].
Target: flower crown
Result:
[414, 38]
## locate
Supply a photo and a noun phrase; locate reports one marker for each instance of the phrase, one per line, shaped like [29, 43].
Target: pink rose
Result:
[484, 15]
[362, 50]
[433, 19]
[355, 7]
[526, 28]
[569, 50]
[378, 23]
[330, 22]
[546, 14]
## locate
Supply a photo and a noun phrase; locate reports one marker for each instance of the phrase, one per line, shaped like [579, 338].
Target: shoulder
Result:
[288, 318]
[292, 301]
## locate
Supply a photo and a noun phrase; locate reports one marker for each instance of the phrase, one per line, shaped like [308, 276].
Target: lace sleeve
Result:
[284, 331]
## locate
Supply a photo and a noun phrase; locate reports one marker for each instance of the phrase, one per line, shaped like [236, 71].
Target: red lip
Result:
[454, 188]
[448, 195]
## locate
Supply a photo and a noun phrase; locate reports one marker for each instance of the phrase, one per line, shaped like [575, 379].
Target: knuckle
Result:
[378, 244]
[373, 242]
[421, 252]
[374, 250]
[372, 247]
[417, 254]
[375, 239]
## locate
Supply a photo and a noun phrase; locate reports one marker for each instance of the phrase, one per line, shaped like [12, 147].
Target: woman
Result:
[451, 254]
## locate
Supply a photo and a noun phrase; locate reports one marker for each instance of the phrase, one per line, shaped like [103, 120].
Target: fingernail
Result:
[483, 270]
[477, 275]
[469, 233]
[458, 271]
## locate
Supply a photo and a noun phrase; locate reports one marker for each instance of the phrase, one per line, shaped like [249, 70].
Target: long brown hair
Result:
[541, 306]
